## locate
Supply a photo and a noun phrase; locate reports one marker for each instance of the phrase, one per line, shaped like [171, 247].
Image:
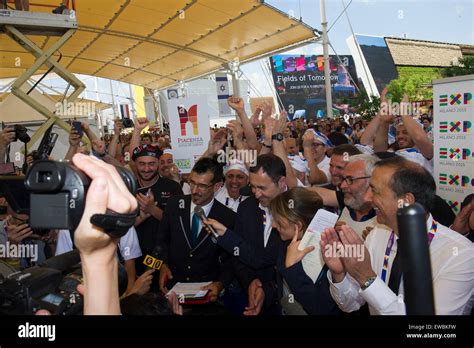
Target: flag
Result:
[443, 100]
[222, 85]
[443, 127]
[124, 111]
[443, 179]
[443, 152]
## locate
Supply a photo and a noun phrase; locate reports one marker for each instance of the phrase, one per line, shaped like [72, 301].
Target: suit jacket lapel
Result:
[185, 217]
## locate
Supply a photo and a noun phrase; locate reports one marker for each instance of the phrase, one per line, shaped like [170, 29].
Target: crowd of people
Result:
[257, 211]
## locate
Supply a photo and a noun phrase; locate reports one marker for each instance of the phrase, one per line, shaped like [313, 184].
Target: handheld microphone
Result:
[200, 212]
[153, 261]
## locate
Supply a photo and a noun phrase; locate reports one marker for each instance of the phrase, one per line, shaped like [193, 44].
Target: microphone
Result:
[154, 260]
[200, 212]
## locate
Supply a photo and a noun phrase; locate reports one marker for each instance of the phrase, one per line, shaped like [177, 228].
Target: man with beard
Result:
[152, 196]
[356, 209]
[377, 278]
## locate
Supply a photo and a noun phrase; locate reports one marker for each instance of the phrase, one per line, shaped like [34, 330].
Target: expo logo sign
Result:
[456, 180]
[455, 127]
[455, 154]
[455, 99]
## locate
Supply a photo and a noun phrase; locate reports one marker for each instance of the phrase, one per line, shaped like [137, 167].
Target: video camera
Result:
[51, 286]
[58, 193]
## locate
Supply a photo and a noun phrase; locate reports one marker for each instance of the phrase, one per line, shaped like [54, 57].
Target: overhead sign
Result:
[300, 82]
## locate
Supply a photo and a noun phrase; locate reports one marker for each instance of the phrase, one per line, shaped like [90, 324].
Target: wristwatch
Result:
[368, 282]
[278, 137]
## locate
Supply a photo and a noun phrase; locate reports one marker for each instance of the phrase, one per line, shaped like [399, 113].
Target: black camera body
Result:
[23, 293]
[21, 133]
[127, 123]
[58, 193]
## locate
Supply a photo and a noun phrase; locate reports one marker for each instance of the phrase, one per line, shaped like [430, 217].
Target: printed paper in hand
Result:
[313, 262]
[190, 290]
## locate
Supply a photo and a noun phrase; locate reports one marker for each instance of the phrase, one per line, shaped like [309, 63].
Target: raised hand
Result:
[7, 136]
[74, 138]
[147, 203]
[236, 103]
[141, 123]
[293, 254]
[330, 245]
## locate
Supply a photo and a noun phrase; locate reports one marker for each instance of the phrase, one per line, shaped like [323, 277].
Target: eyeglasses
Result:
[350, 180]
[201, 187]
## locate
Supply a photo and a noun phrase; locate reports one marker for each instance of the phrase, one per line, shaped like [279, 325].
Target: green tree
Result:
[415, 81]
[465, 67]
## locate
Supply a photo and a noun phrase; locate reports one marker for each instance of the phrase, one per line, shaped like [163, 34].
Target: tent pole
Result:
[327, 74]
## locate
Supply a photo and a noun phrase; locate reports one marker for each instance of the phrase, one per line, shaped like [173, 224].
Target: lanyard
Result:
[431, 233]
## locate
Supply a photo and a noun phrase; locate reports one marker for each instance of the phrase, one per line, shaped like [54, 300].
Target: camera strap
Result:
[114, 224]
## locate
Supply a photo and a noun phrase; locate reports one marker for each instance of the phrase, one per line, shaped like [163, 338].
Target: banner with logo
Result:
[189, 130]
[454, 138]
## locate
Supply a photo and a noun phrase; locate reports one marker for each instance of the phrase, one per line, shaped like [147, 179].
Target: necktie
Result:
[396, 273]
[195, 229]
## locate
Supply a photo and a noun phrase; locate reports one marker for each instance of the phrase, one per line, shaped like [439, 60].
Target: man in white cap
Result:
[315, 145]
[236, 176]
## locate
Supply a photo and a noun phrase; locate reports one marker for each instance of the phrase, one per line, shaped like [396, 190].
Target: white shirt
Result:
[268, 224]
[207, 208]
[452, 267]
[414, 155]
[128, 244]
[223, 197]
[359, 226]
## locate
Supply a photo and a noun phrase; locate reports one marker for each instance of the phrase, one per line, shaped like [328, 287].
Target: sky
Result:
[449, 21]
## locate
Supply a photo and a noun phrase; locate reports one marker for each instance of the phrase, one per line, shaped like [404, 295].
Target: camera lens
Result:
[45, 176]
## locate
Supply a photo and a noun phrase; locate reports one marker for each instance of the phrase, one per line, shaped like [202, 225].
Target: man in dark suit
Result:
[189, 253]
[254, 242]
